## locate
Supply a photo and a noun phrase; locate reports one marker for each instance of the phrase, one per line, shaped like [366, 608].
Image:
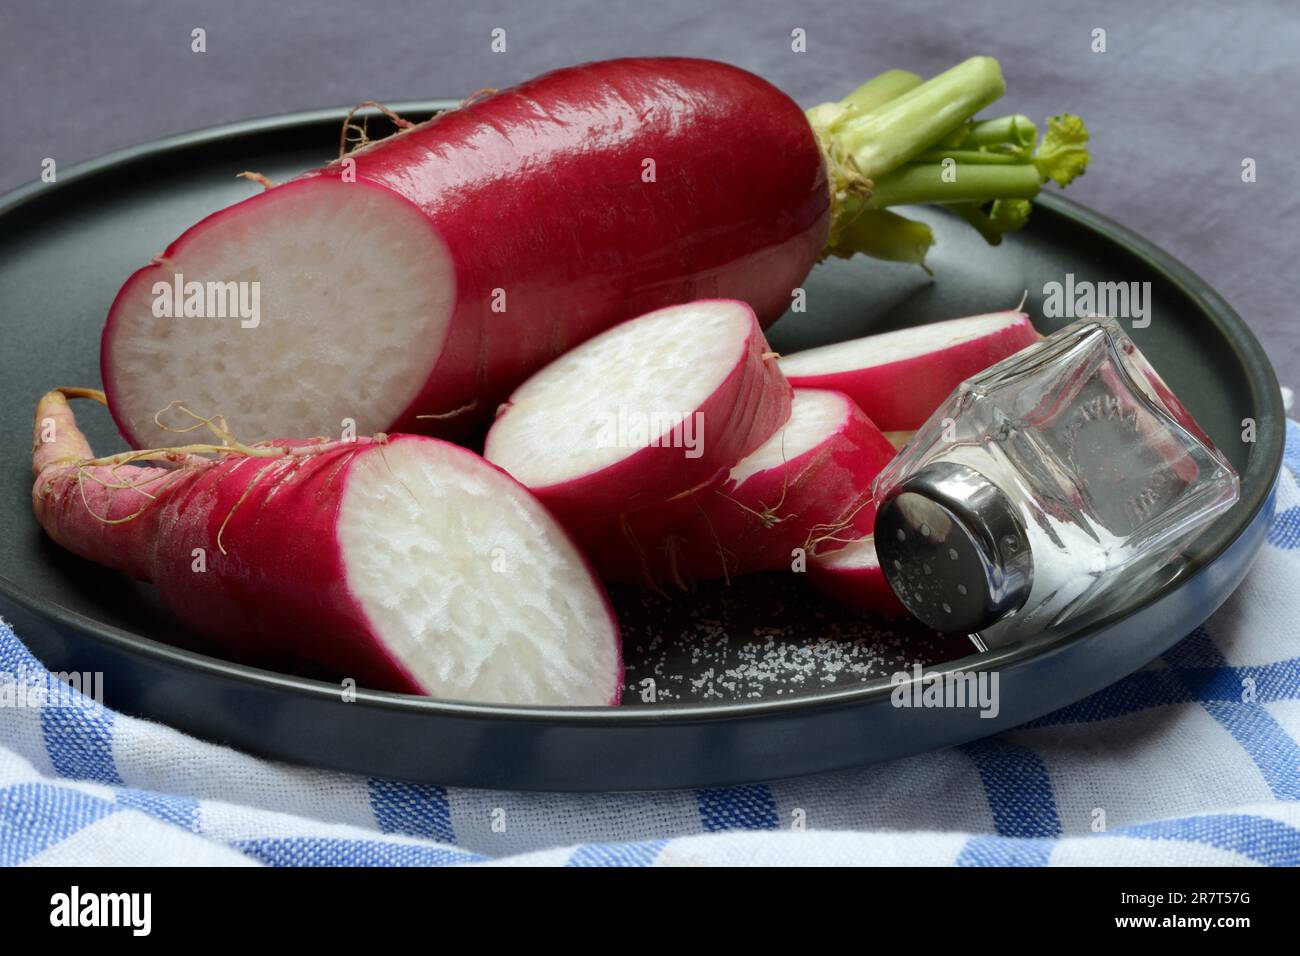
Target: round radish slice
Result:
[808, 486]
[899, 378]
[655, 407]
[852, 577]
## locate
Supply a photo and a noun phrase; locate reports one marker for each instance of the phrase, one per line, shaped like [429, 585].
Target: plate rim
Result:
[1215, 308]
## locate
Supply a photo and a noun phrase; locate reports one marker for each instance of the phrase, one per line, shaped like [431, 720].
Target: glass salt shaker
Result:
[1047, 490]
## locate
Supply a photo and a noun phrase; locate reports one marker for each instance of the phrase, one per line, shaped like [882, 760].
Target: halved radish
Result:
[899, 378]
[659, 405]
[414, 284]
[404, 563]
[808, 486]
[852, 576]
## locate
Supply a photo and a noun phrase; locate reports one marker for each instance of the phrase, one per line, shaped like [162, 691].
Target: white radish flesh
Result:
[471, 584]
[354, 295]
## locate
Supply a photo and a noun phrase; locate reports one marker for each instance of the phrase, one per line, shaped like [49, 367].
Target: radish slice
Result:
[852, 577]
[817, 417]
[899, 378]
[656, 406]
[807, 486]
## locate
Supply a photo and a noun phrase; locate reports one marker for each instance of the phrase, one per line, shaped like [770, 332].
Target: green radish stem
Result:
[956, 183]
[883, 234]
[1017, 131]
[874, 93]
[972, 156]
[880, 90]
[896, 140]
[887, 136]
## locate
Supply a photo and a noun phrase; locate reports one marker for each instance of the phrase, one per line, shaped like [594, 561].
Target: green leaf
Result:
[994, 219]
[1062, 154]
[1010, 215]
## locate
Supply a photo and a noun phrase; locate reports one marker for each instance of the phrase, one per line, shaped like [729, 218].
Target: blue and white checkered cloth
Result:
[1193, 760]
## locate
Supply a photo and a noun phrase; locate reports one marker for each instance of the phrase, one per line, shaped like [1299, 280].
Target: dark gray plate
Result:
[758, 680]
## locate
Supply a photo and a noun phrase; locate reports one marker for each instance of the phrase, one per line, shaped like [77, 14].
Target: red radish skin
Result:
[567, 433]
[899, 378]
[363, 558]
[473, 249]
[852, 577]
[808, 486]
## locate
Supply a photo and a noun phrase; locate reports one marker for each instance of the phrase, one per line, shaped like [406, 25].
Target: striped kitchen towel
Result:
[1192, 760]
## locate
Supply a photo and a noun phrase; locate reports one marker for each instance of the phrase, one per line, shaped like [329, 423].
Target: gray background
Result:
[1183, 93]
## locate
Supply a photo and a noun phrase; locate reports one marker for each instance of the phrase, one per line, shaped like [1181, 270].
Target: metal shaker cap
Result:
[953, 548]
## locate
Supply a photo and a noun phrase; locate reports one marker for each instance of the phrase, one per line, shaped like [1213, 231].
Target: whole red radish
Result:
[403, 562]
[899, 378]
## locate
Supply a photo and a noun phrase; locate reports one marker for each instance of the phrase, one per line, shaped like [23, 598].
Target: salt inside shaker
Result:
[1047, 490]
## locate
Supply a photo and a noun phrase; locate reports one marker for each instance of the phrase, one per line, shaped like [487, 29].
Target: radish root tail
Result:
[256, 177]
[831, 532]
[362, 138]
[476, 96]
[68, 448]
[454, 413]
